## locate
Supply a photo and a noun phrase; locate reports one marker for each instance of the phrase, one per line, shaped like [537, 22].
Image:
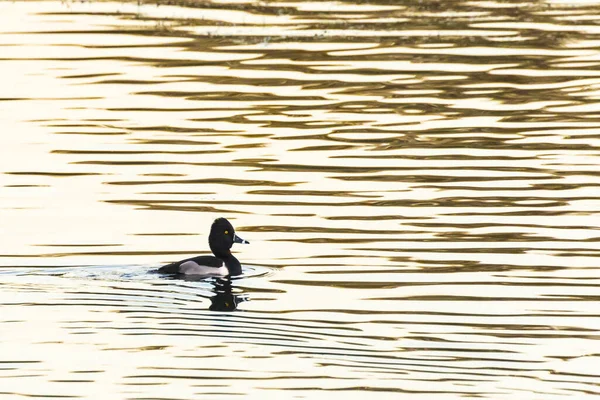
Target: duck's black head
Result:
[222, 237]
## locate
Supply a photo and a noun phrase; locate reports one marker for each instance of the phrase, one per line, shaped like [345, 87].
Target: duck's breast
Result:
[193, 268]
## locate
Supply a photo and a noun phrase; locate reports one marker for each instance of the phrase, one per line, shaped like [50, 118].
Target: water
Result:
[418, 181]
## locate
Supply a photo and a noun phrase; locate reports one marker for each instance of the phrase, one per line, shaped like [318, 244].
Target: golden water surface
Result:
[418, 180]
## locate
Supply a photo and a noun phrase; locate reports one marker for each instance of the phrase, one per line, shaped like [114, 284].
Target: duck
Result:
[221, 238]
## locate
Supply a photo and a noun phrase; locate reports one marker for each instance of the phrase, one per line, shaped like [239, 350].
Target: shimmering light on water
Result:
[418, 181]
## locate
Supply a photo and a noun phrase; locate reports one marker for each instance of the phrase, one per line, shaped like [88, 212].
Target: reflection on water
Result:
[419, 180]
[224, 299]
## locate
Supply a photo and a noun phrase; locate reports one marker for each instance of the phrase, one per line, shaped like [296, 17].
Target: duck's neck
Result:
[232, 263]
[234, 266]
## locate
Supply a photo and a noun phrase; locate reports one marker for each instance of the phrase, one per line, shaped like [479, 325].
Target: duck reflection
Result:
[224, 299]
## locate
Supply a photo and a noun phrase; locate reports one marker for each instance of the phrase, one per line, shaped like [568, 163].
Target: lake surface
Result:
[419, 182]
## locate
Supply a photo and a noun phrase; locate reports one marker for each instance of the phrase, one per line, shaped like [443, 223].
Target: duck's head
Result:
[222, 237]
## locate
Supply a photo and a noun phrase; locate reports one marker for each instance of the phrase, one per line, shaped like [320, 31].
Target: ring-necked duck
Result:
[222, 237]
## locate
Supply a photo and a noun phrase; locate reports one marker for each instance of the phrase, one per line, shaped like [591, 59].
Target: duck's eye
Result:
[227, 232]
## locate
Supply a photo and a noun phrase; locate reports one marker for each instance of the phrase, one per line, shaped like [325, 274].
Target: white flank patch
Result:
[192, 268]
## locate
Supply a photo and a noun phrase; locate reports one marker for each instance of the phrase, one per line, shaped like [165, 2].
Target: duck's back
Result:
[203, 265]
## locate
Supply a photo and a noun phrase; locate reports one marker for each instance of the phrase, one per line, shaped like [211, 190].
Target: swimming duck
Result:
[222, 237]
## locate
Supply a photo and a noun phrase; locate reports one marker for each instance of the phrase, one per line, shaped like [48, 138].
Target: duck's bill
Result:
[237, 239]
